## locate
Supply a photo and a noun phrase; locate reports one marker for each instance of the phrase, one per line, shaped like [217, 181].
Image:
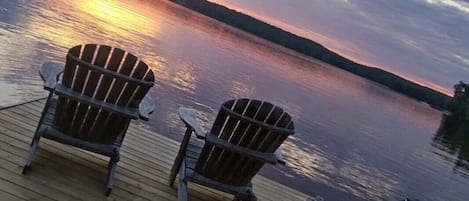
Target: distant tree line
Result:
[315, 50]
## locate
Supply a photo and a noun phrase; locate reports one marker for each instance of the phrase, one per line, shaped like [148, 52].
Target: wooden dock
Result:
[61, 172]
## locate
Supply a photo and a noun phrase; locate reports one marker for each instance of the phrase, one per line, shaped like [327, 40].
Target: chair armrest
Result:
[188, 117]
[50, 73]
[278, 153]
[146, 107]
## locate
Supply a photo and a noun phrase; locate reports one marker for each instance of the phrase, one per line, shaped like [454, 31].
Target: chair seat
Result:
[48, 131]
[192, 154]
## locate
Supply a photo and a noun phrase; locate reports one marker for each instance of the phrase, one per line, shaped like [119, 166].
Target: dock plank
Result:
[6, 196]
[61, 172]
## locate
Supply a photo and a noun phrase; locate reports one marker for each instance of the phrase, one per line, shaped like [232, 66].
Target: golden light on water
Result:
[113, 16]
[97, 21]
[49, 27]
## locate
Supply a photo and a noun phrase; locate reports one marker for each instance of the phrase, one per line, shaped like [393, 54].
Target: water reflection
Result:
[44, 30]
[17, 80]
[351, 176]
[120, 17]
[355, 140]
[184, 78]
[242, 89]
[453, 138]
[308, 162]
[49, 28]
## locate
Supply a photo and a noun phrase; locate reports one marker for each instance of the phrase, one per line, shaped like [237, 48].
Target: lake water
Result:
[355, 140]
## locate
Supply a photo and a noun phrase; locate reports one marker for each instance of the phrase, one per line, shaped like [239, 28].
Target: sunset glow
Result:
[119, 19]
[398, 37]
[354, 138]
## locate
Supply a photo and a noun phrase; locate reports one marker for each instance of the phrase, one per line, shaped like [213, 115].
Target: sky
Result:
[426, 41]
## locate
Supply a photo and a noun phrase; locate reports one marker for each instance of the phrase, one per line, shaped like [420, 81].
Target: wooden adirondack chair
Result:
[101, 90]
[245, 135]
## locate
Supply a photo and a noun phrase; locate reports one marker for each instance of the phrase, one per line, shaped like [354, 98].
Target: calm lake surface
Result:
[355, 140]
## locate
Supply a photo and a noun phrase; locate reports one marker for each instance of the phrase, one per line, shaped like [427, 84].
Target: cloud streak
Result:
[459, 5]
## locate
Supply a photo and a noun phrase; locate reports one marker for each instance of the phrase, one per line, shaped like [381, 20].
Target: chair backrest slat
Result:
[141, 90]
[114, 123]
[79, 86]
[106, 81]
[239, 122]
[250, 141]
[130, 89]
[61, 118]
[101, 58]
[219, 156]
[91, 123]
[92, 87]
[119, 84]
[104, 87]
[251, 109]
[265, 140]
[77, 82]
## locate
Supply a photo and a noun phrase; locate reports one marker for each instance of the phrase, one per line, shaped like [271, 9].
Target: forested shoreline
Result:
[310, 48]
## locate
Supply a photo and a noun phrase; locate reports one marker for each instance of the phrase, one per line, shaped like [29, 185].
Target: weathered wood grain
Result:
[65, 173]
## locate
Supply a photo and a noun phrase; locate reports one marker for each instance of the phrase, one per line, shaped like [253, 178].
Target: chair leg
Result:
[181, 154]
[110, 175]
[176, 167]
[182, 190]
[32, 151]
[37, 135]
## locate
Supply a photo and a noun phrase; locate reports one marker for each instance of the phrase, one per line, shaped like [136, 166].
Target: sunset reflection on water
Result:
[352, 176]
[346, 144]
[121, 18]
